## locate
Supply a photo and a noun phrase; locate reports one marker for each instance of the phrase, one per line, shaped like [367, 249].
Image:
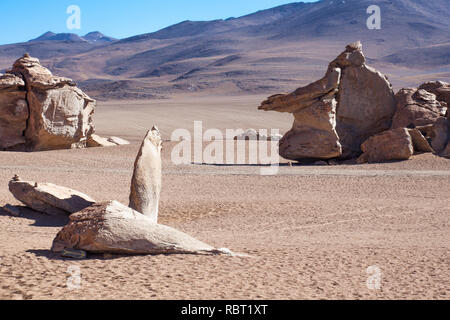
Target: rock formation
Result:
[394, 144]
[13, 111]
[41, 111]
[417, 107]
[49, 198]
[110, 227]
[334, 115]
[146, 181]
[440, 89]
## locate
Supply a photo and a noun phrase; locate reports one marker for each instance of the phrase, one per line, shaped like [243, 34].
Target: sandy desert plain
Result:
[311, 232]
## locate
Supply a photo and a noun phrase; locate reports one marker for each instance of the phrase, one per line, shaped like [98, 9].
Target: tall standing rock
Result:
[366, 102]
[335, 115]
[58, 114]
[146, 182]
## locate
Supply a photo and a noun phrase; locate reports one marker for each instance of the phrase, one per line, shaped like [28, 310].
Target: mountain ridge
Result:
[277, 49]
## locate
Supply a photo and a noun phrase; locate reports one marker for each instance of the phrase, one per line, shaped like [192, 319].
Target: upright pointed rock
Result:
[146, 182]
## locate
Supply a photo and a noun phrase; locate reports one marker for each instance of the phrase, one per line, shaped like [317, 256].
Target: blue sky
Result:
[27, 19]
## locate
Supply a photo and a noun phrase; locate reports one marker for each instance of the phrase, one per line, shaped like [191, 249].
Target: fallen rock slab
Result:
[118, 141]
[49, 198]
[95, 141]
[391, 145]
[113, 228]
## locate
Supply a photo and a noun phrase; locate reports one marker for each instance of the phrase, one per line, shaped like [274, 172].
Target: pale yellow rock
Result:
[49, 198]
[95, 141]
[146, 182]
[391, 145]
[113, 228]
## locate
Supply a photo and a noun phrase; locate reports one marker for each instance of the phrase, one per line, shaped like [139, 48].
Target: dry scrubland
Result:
[312, 231]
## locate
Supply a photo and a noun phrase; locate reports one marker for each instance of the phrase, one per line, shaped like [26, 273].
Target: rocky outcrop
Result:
[391, 145]
[440, 89]
[334, 115]
[417, 107]
[49, 112]
[110, 227]
[49, 198]
[146, 182]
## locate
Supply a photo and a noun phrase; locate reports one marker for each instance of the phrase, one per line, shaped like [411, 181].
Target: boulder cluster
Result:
[111, 227]
[353, 113]
[40, 111]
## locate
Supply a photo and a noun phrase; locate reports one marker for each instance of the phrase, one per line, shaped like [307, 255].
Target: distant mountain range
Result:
[92, 37]
[268, 51]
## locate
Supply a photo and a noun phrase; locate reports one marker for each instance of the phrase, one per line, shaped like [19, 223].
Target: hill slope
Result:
[267, 51]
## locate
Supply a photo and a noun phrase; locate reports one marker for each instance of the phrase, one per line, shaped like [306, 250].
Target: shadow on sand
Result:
[39, 219]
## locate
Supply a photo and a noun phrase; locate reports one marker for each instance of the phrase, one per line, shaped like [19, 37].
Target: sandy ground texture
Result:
[312, 231]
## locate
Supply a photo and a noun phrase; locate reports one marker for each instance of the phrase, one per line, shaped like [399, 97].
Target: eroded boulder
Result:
[334, 115]
[391, 145]
[49, 198]
[440, 89]
[111, 227]
[417, 107]
[57, 114]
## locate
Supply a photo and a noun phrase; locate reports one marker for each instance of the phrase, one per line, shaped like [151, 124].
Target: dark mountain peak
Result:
[51, 36]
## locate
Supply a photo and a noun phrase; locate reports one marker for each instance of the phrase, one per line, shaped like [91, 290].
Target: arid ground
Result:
[311, 231]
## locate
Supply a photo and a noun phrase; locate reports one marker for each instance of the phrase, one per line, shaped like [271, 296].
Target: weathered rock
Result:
[417, 108]
[13, 111]
[49, 198]
[355, 99]
[420, 143]
[441, 135]
[313, 135]
[394, 144]
[57, 114]
[118, 141]
[146, 182]
[110, 227]
[95, 141]
[366, 102]
[440, 89]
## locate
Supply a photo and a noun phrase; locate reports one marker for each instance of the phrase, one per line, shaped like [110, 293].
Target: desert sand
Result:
[311, 231]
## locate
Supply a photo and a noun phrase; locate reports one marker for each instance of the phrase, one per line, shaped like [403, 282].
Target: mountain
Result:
[92, 37]
[264, 52]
